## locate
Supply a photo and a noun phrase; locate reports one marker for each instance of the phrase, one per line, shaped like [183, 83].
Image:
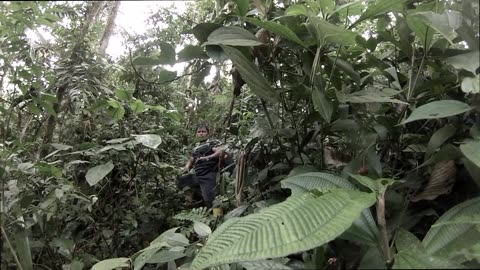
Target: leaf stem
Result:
[333, 69]
[270, 122]
[382, 224]
[4, 234]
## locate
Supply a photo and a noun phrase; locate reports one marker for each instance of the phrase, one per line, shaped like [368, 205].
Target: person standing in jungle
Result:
[205, 162]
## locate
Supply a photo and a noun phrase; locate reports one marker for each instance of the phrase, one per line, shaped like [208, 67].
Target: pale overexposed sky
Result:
[132, 17]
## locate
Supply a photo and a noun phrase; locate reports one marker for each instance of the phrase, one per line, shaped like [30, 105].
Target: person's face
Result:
[202, 133]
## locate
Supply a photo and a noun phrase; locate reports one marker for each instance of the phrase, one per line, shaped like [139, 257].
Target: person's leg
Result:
[187, 180]
[208, 183]
[189, 185]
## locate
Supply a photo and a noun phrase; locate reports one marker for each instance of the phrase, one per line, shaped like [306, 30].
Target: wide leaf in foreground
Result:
[363, 230]
[298, 224]
[232, 36]
[471, 150]
[448, 240]
[438, 109]
[111, 264]
[412, 255]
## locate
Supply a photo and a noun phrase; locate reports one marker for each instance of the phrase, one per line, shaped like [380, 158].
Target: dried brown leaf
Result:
[441, 181]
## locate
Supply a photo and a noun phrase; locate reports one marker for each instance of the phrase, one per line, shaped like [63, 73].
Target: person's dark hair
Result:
[205, 126]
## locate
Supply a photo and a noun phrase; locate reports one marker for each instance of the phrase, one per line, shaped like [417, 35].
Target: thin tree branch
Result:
[164, 82]
[4, 234]
[270, 122]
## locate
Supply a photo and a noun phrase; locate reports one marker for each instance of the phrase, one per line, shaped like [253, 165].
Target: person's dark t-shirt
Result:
[205, 149]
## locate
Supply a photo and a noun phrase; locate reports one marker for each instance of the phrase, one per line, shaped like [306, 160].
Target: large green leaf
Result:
[412, 255]
[115, 109]
[97, 173]
[149, 140]
[33, 108]
[352, 8]
[323, 106]
[446, 240]
[301, 170]
[473, 253]
[23, 248]
[99, 104]
[345, 67]
[146, 61]
[111, 264]
[417, 260]
[167, 54]
[372, 259]
[422, 30]
[278, 29]
[124, 95]
[473, 219]
[471, 84]
[201, 229]
[166, 76]
[326, 6]
[137, 106]
[242, 6]
[49, 98]
[445, 23]
[191, 52]
[166, 57]
[146, 255]
[305, 182]
[251, 75]
[438, 138]
[407, 241]
[471, 150]
[438, 109]
[298, 224]
[171, 238]
[325, 32]
[232, 36]
[371, 96]
[173, 115]
[380, 7]
[295, 10]
[202, 30]
[59, 146]
[378, 186]
[116, 113]
[468, 61]
[363, 229]
[48, 107]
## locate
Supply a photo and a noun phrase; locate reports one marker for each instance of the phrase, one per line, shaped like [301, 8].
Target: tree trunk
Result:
[91, 16]
[109, 28]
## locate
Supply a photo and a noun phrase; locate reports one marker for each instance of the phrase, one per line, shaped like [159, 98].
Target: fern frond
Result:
[196, 214]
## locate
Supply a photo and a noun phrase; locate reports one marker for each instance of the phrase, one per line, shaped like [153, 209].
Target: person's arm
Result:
[217, 151]
[189, 164]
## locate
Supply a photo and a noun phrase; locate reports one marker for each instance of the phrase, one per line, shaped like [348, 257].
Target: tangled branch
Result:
[168, 81]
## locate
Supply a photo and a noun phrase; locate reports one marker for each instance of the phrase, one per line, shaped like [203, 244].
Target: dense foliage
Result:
[355, 126]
